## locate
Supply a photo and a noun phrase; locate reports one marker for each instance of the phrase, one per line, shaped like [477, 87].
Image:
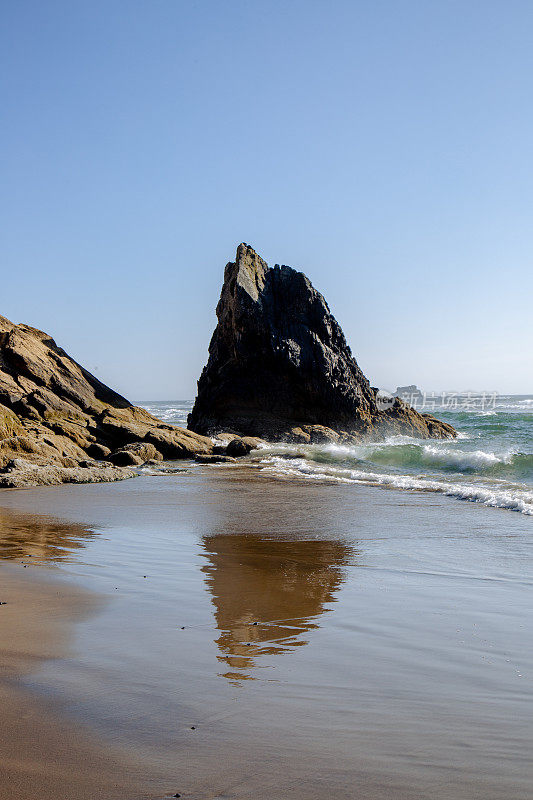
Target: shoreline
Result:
[265, 639]
[42, 754]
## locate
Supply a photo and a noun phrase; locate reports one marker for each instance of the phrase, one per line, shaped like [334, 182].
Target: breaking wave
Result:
[454, 460]
[513, 498]
[490, 462]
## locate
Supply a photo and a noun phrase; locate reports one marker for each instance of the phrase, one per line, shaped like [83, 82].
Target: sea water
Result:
[490, 462]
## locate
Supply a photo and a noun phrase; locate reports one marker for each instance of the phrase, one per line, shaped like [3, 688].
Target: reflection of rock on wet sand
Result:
[283, 586]
[43, 538]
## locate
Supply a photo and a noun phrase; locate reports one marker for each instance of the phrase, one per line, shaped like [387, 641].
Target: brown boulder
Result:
[237, 448]
[124, 458]
[98, 451]
[134, 454]
[66, 414]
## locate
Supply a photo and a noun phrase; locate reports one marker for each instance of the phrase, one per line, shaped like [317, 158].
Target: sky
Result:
[383, 148]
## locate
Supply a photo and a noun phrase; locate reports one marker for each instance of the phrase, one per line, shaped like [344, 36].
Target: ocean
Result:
[491, 461]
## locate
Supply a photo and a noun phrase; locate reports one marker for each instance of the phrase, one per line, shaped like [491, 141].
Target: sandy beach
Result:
[255, 637]
[42, 754]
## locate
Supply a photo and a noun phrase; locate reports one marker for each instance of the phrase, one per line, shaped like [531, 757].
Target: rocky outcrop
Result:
[135, 454]
[215, 459]
[21, 474]
[279, 366]
[409, 393]
[54, 415]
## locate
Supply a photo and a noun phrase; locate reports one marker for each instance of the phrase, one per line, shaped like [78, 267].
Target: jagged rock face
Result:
[278, 358]
[278, 361]
[52, 411]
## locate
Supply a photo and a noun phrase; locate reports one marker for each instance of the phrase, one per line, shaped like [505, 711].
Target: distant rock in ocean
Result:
[58, 423]
[279, 366]
[409, 393]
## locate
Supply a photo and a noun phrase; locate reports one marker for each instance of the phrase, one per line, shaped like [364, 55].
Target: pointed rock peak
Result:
[278, 357]
[248, 270]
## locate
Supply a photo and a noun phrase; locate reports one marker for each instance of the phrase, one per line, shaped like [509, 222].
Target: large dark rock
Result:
[279, 366]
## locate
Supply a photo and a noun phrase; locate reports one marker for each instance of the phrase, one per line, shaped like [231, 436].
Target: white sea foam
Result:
[401, 452]
[508, 497]
[168, 413]
[463, 460]
[512, 402]
[506, 404]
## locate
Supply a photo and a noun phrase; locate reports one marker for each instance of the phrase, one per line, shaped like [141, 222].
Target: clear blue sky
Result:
[384, 148]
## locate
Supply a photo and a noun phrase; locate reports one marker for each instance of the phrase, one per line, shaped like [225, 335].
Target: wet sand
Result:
[268, 638]
[41, 754]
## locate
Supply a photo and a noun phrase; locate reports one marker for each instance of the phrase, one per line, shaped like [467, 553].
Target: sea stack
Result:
[279, 366]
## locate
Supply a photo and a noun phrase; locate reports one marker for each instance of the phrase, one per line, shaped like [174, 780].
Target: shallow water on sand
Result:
[294, 638]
